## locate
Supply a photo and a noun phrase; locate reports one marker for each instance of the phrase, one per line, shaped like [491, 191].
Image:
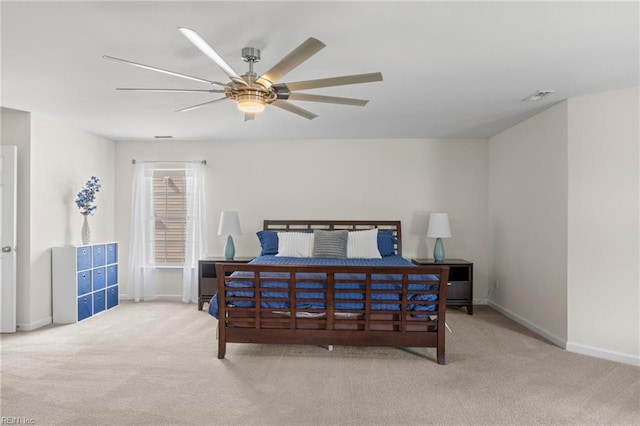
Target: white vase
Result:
[86, 231]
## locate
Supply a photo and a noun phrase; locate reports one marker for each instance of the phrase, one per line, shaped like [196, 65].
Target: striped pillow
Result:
[295, 244]
[330, 244]
[363, 245]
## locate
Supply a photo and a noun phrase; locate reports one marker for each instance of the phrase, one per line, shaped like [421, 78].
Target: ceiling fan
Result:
[252, 92]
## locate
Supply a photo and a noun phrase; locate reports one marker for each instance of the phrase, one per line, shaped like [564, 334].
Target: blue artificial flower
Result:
[87, 196]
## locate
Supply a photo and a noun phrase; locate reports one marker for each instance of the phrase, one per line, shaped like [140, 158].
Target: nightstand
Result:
[207, 280]
[460, 286]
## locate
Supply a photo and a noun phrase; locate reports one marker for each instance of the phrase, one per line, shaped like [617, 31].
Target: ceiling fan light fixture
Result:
[251, 102]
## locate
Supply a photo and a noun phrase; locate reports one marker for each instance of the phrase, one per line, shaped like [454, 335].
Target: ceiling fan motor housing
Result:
[250, 54]
[251, 95]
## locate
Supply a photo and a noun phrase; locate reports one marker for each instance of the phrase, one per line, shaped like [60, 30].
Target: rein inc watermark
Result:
[4, 420]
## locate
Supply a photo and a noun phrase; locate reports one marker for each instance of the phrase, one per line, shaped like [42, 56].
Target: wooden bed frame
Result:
[365, 327]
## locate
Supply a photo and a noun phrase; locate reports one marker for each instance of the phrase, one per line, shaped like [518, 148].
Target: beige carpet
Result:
[155, 363]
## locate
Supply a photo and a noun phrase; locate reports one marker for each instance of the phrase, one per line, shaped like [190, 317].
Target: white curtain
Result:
[196, 230]
[142, 272]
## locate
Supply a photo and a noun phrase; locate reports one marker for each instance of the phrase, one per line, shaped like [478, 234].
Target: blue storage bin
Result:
[99, 278]
[99, 255]
[84, 282]
[112, 297]
[112, 253]
[99, 302]
[83, 258]
[112, 275]
[85, 307]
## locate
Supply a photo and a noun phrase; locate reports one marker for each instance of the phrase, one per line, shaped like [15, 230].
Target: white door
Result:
[8, 157]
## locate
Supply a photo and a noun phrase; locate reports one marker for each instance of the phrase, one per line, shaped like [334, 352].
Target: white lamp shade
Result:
[229, 224]
[439, 226]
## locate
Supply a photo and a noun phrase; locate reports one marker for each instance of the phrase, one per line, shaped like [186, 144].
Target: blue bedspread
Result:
[344, 301]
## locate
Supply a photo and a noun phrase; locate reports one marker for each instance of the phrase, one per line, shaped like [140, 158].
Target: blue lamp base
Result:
[438, 251]
[229, 249]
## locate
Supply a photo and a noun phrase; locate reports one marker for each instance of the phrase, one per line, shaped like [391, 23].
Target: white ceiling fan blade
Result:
[326, 99]
[287, 106]
[297, 56]
[177, 74]
[334, 81]
[191, 108]
[133, 89]
[204, 47]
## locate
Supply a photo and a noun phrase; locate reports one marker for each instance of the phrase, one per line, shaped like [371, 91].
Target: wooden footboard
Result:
[332, 305]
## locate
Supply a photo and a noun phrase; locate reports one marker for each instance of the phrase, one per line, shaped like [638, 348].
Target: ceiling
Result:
[450, 69]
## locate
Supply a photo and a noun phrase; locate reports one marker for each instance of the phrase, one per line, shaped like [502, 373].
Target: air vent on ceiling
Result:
[163, 137]
[537, 95]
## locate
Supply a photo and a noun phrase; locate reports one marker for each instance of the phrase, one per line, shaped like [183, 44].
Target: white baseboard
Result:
[34, 325]
[570, 347]
[531, 326]
[169, 298]
[603, 354]
[160, 297]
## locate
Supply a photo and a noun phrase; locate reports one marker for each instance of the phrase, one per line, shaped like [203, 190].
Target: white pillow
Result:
[363, 245]
[295, 244]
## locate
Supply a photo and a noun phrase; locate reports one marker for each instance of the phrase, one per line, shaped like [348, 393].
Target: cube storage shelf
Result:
[85, 281]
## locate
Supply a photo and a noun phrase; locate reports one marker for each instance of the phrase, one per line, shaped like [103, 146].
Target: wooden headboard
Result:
[335, 225]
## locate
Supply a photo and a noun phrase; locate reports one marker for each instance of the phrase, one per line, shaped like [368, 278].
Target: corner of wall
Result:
[528, 211]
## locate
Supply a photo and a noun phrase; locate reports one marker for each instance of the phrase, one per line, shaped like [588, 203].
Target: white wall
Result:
[329, 179]
[58, 162]
[604, 216]
[528, 222]
[564, 207]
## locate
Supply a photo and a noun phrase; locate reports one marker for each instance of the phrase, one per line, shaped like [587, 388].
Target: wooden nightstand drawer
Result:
[457, 290]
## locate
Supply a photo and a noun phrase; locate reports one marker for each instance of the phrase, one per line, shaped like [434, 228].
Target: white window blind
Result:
[170, 216]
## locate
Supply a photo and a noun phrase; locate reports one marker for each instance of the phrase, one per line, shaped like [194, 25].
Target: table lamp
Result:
[438, 229]
[229, 225]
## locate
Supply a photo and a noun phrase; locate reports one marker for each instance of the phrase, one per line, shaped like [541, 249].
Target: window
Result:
[168, 225]
[170, 216]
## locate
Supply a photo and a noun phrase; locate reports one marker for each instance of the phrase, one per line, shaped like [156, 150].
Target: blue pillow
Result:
[268, 242]
[386, 243]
